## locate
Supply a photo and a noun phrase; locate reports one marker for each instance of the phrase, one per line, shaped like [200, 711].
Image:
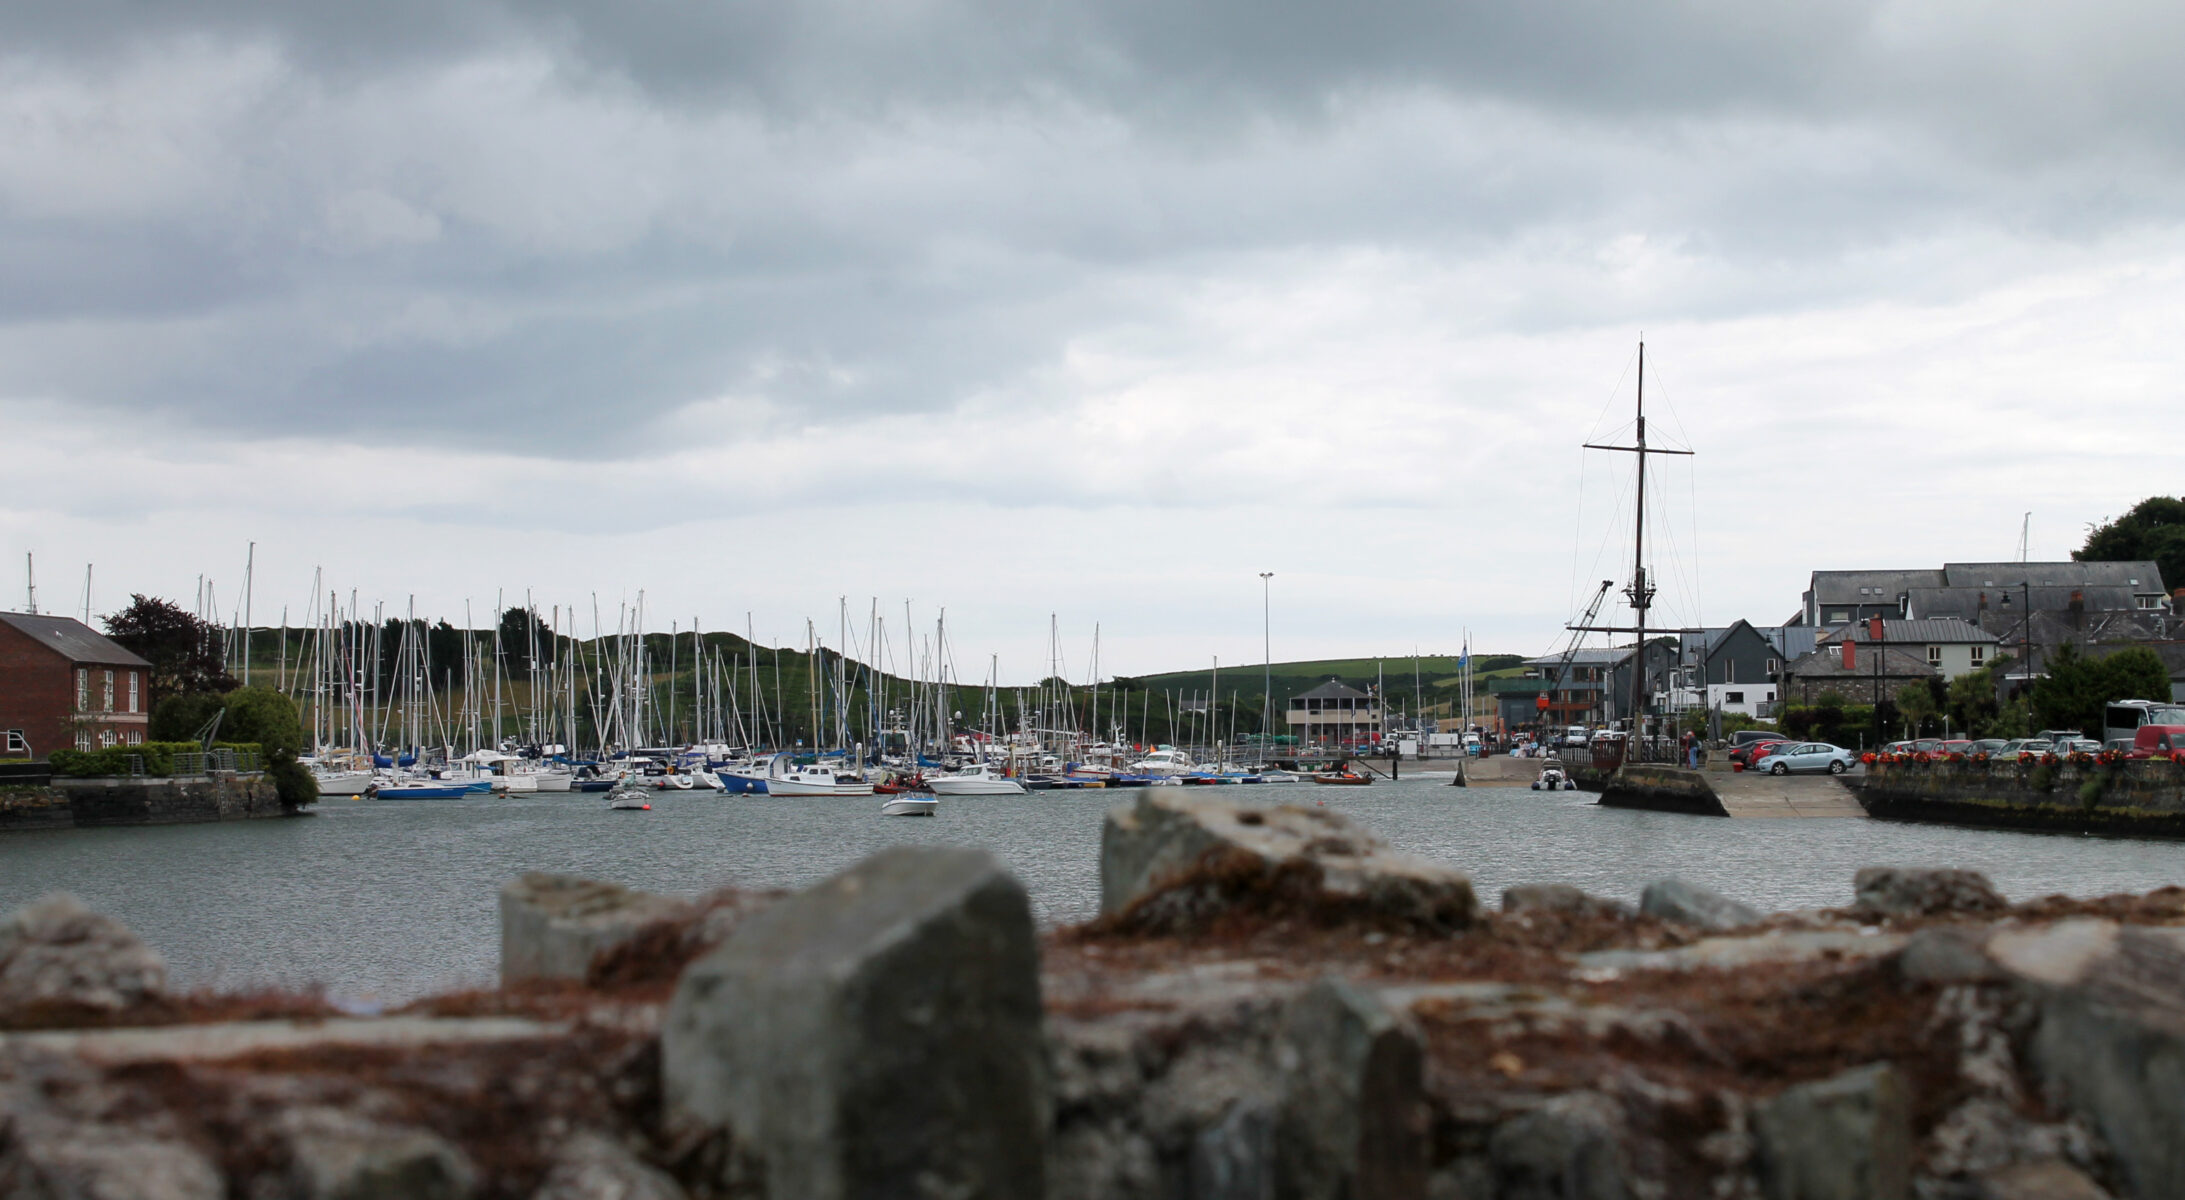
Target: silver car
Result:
[1806, 756]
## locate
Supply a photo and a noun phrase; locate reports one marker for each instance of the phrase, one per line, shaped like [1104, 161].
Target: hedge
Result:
[157, 757]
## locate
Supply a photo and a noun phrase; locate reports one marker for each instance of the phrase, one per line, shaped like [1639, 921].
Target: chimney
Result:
[1874, 629]
[1851, 655]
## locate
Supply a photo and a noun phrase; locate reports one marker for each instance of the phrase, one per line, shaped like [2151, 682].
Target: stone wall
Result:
[86, 803]
[2144, 798]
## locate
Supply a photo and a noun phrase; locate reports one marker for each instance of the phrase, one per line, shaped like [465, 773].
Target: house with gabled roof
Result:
[64, 685]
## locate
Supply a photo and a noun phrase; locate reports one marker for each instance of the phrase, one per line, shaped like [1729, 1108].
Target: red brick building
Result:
[64, 685]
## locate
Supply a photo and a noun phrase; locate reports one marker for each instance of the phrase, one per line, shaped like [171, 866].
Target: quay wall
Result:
[90, 803]
[2137, 798]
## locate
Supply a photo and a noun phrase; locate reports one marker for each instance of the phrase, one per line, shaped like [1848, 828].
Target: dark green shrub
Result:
[293, 782]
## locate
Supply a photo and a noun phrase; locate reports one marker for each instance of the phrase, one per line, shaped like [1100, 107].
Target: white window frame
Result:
[17, 743]
[106, 738]
[1980, 655]
[132, 691]
[83, 688]
[1934, 656]
[106, 694]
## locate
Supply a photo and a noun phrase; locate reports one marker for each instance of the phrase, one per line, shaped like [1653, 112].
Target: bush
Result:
[156, 758]
[264, 716]
[293, 782]
[179, 718]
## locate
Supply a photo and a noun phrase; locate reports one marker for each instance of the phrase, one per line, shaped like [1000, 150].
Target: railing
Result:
[192, 762]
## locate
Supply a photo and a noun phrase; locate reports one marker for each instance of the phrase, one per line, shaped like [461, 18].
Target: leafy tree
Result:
[187, 655]
[523, 640]
[2076, 687]
[1971, 701]
[1916, 704]
[2134, 673]
[2153, 529]
[179, 717]
[265, 716]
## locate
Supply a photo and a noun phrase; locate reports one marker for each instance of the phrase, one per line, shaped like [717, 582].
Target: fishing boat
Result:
[1342, 778]
[785, 779]
[910, 805]
[979, 779]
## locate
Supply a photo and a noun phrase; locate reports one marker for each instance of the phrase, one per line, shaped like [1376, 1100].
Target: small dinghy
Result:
[629, 796]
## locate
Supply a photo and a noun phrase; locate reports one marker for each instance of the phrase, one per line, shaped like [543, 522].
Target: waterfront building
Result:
[65, 685]
[1334, 714]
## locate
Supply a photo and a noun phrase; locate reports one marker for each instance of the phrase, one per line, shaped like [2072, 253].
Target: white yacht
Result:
[787, 779]
[910, 804]
[1167, 760]
[979, 779]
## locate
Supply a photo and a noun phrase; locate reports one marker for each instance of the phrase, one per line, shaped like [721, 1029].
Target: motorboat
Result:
[674, 781]
[1166, 760]
[1342, 778]
[1279, 776]
[1553, 778]
[429, 789]
[629, 795]
[787, 779]
[343, 783]
[978, 779]
[910, 804]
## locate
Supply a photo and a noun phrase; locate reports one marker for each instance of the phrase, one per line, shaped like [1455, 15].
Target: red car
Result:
[1752, 752]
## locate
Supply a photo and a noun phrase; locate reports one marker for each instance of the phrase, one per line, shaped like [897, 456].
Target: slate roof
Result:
[2140, 576]
[73, 640]
[1826, 664]
[1932, 631]
[1871, 587]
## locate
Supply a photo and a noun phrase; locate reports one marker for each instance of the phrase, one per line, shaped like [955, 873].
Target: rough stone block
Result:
[2111, 1039]
[56, 953]
[552, 926]
[1560, 898]
[1353, 1124]
[593, 1167]
[876, 1035]
[1848, 1137]
[1687, 903]
[1924, 892]
[1949, 954]
[42, 1159]
[2049, 1180]
[1567, 1149]
[335, 1155]
[1173, 860]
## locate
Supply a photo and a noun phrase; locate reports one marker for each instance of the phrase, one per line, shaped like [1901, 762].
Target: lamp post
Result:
[2025, 630]
[1267, 661]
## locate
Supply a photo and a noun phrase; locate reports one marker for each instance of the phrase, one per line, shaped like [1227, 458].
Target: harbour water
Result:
[381, 902]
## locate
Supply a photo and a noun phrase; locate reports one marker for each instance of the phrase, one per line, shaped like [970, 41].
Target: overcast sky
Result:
[1097, 310]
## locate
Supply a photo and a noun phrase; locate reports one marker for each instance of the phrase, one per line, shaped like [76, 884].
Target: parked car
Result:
[1751, 751]
[1746, 737]
[1955, 746]
[1801, 757]
[1989, 746]
[2023, 747]
[2086, 745]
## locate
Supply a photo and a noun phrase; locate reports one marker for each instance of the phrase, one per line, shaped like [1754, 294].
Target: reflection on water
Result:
[393, 900]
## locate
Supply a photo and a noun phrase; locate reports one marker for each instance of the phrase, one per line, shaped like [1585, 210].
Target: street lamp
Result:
[2025, 629]
[1267, 660]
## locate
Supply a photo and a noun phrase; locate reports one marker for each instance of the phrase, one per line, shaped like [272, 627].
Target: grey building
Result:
[1735, 668]
[1973, 592]
[1952, 647]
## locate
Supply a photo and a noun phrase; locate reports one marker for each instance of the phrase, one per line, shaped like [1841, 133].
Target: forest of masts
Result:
[402, 683]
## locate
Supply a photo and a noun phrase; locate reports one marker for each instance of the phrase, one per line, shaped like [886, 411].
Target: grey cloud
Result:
[856, 208]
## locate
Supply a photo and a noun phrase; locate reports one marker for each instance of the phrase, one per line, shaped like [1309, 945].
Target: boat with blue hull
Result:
[432, 790]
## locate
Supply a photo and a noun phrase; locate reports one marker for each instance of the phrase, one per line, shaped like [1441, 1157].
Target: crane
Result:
[1559, 678]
